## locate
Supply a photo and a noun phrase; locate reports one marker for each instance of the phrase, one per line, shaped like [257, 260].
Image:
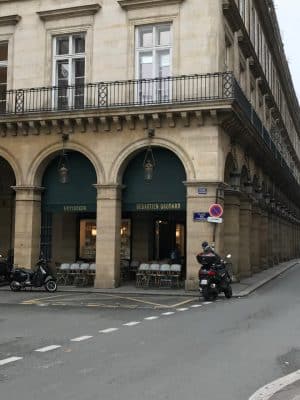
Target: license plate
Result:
[203, 282]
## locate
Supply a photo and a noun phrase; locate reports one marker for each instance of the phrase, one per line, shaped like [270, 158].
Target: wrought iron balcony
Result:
[142, 92]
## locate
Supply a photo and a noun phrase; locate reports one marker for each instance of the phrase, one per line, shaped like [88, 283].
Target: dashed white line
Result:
[151, 318]
[81, 338]
[48, 348]
[196, 305]
[108, 330]
[131, 323]
[10, 360]
[168, 313]
[207, 302]
[181, 309]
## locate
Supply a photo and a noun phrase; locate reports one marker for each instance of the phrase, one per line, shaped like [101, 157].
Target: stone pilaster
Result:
[27, 225]
[255, 239]
[198, 232]
[264, 240]
[245, 227]
[108, 236]
[232, 228]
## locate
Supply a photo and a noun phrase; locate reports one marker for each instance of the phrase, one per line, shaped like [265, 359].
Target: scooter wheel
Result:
[14, 287]
[51, 286]
[208, 295]
[228, 292]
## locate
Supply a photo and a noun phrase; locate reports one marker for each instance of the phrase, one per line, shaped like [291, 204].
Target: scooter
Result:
[214, 279]
[5, 269]
[21, 278]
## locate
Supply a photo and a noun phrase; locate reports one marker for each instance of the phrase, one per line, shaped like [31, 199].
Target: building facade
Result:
[122, 121]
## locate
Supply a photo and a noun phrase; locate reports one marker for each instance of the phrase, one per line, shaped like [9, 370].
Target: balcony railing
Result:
[142, 92]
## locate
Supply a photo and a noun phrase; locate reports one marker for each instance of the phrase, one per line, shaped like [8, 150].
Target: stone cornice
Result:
[70, 12]
[9, 20]
[136, 4]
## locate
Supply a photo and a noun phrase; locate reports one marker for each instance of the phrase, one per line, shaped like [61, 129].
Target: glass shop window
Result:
[87, 240]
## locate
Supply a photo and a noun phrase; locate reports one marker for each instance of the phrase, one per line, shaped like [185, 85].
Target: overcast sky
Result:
[288, 14]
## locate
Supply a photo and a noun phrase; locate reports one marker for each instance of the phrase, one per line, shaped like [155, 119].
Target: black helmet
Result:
[204, 245]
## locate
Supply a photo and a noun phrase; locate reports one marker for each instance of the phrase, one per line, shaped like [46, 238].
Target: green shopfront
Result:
[69, 211]
[154, 211]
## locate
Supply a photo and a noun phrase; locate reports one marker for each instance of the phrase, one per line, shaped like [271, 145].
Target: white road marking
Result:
[131, 323]
[108, 330]
[207, 302]
[9, 360]
[48, 348]
[151, 318]
[181, 309]
[81, 338]
[267, 391]
[196, 305]
[168, 313]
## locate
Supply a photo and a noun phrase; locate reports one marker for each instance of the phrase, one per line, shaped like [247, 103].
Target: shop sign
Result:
[158, 206]
[202, 190]
[75, 208]
[200, 216]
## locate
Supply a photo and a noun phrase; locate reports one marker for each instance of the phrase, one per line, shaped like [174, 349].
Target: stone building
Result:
[122, 121]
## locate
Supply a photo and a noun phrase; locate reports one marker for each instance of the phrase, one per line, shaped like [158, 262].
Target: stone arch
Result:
[125, 155]
[230, 165]
[39, 164]
[14, 164]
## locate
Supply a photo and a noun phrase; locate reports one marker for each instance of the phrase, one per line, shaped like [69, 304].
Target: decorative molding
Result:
[136, 4]
[70, 12]
[9, 20]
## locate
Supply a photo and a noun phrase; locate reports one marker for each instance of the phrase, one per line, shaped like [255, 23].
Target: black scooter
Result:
[5, 269]
[214, 279]
[21, 278]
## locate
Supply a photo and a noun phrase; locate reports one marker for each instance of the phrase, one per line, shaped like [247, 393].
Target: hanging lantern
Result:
[63, 174]
[149, 165]
[63, 170]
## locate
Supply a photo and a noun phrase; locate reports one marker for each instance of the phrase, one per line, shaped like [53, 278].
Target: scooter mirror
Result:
[228, 256]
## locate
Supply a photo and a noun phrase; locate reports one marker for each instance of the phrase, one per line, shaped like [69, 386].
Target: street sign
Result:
[215, 220]
[200, 216]
[215, 210]
[202, 190]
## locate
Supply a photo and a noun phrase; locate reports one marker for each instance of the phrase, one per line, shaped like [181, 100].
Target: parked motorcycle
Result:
[5, 269]
[214, 277]
[21, 278]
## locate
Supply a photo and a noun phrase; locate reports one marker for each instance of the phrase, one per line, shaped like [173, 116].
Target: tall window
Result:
[69, 70]
[3, 76]
[153, 60]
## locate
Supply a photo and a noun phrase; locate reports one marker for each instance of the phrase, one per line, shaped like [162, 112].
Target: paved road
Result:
[217, 351]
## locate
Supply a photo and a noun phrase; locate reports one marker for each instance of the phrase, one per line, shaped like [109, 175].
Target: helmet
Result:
[204, 245]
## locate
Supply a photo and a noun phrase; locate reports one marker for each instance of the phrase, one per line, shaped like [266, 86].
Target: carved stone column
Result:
[245, 227]
[108, 236]
[27, 225]
[197, 232]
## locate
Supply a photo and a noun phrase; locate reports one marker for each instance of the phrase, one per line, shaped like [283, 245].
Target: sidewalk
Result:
[240, 289]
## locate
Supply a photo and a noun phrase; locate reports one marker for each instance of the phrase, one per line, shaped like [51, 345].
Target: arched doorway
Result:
[69, 211]
[7, 208]
[154, 211]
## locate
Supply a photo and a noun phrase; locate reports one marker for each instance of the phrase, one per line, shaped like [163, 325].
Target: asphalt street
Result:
[164, 349]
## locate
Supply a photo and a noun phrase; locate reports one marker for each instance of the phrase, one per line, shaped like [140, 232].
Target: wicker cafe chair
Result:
[74, 272]
[164, 276]
[91, 273]
[175, 273]
[142, 276]
[62, 273]
[82, 278]
[154, 274]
